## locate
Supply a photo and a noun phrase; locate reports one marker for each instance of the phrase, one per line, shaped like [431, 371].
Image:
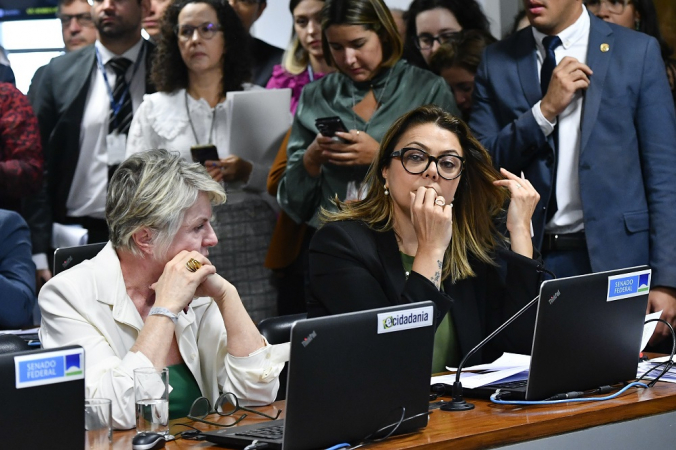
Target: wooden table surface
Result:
[488, 424]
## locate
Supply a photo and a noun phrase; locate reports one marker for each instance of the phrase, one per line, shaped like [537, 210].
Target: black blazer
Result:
[353, 267]
[59, 99]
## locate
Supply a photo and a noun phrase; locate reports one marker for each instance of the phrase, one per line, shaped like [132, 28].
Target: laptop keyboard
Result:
[521, 384]
[275, 432]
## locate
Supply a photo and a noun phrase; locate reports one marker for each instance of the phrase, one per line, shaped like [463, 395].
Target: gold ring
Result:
[193, 265]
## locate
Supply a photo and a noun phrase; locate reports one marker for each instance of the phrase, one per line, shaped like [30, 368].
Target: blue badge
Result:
[628, 285]
[49, 367]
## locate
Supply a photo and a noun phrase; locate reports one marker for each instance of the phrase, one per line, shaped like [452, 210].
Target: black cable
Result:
[667, 364]
[367, 440]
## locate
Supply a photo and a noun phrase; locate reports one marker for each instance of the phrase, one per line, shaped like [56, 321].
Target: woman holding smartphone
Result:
[371, 88]
[201, 56]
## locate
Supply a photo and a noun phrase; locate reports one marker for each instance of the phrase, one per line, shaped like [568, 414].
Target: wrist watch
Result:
[159, 311]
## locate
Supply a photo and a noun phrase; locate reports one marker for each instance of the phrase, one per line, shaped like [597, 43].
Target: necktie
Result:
[550, 43]
[120, 122]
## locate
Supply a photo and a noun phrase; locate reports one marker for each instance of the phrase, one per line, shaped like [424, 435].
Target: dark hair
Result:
[467, 12]
[649, 24]
[169, 72]
[477, 203]
[465, 52]
[515, 26]
[373, 15]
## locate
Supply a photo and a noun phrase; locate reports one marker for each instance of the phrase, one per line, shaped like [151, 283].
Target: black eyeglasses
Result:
[226, 405]
[84, 20]
[416, 161]
[613, 6]
[207, 31]
[425, 41]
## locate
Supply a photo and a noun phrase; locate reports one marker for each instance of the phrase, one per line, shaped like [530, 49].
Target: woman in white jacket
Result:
[151, 297]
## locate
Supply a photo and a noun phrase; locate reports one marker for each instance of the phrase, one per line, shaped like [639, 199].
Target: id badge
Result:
[116, 144]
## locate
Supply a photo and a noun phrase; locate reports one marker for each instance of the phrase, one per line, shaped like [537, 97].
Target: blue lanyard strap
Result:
[311, 73]
[117, 106]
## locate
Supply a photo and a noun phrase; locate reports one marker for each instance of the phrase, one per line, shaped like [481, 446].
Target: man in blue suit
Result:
[583, 109]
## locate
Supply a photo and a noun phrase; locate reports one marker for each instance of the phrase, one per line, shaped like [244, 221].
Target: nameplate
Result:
[49, 367]
[405, 319]
[628, 285]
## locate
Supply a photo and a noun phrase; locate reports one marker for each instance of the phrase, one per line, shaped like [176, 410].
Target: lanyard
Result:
[213, 121]
[310, 73]
[117, 106]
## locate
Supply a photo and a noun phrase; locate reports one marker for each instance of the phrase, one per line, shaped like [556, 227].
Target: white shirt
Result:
[163, 121]
[568, 217]
[87, 196]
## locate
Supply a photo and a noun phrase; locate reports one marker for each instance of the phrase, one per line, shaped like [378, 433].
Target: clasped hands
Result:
[178, 286]
[229, 169]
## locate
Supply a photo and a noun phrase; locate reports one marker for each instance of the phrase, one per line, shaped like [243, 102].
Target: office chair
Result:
[10, 343]
[277, 330]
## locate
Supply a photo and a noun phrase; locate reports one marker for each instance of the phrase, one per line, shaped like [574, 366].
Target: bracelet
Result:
[159, 311]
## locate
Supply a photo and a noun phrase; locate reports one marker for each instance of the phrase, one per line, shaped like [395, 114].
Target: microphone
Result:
[458, 403]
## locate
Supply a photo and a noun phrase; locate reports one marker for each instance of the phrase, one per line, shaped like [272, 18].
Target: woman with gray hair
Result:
[151, 298]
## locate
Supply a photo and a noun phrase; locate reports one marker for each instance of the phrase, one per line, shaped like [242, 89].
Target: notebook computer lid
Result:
[42, 394]
[588, 331]
[352, 374]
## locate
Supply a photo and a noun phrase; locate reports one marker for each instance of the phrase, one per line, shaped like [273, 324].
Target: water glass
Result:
[151, 389]
[98, 423]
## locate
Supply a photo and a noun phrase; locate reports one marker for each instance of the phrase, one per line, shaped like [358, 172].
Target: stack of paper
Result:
[645, 366]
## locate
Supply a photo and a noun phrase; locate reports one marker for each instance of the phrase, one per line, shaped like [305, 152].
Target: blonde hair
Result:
[373, 15]
[153, 189]
[477, 201]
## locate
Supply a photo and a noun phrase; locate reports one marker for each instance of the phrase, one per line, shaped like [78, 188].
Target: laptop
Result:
[349, 376]
[587, 334]
[42, 394]
[67, 257]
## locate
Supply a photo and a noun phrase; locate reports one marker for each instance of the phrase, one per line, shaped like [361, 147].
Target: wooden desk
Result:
[637, 416]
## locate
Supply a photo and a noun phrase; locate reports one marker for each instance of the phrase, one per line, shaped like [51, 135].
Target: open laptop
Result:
[349, 376]
[587, 335]
[67, 257]
[42, 394]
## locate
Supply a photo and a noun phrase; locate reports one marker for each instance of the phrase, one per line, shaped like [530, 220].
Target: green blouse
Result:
[398, 89]
[184, 391]
[446, 351]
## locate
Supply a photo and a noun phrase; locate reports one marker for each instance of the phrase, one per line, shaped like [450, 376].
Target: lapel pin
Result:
[605, 47]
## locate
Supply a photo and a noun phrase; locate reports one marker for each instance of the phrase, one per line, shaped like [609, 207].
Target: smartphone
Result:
[203, 153]
[328, 126]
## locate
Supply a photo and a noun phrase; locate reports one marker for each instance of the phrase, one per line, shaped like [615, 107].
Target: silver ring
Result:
[439, 201]
[518, 186]
[357, 133]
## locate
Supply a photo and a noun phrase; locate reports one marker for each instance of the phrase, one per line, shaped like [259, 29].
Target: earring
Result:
[387, 191]
[637, 24]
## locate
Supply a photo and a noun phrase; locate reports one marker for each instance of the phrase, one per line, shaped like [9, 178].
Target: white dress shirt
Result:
[568, 217]
[87, 196]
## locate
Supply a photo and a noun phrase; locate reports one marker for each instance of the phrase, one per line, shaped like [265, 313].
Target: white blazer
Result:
[88, 305]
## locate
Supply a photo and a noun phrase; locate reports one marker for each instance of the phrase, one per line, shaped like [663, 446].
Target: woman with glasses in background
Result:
[457, 62]
[431, 23]
[639, 15]
[371, 88]
[201, 56]
[429, 229]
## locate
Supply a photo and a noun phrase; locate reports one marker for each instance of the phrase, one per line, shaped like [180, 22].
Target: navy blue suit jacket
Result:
[627, 143]
[17, 272]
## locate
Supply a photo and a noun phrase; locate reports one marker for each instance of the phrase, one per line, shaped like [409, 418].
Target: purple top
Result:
[282, 79]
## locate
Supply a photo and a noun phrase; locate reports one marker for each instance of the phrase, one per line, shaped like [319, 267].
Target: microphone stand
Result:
[458, 403]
